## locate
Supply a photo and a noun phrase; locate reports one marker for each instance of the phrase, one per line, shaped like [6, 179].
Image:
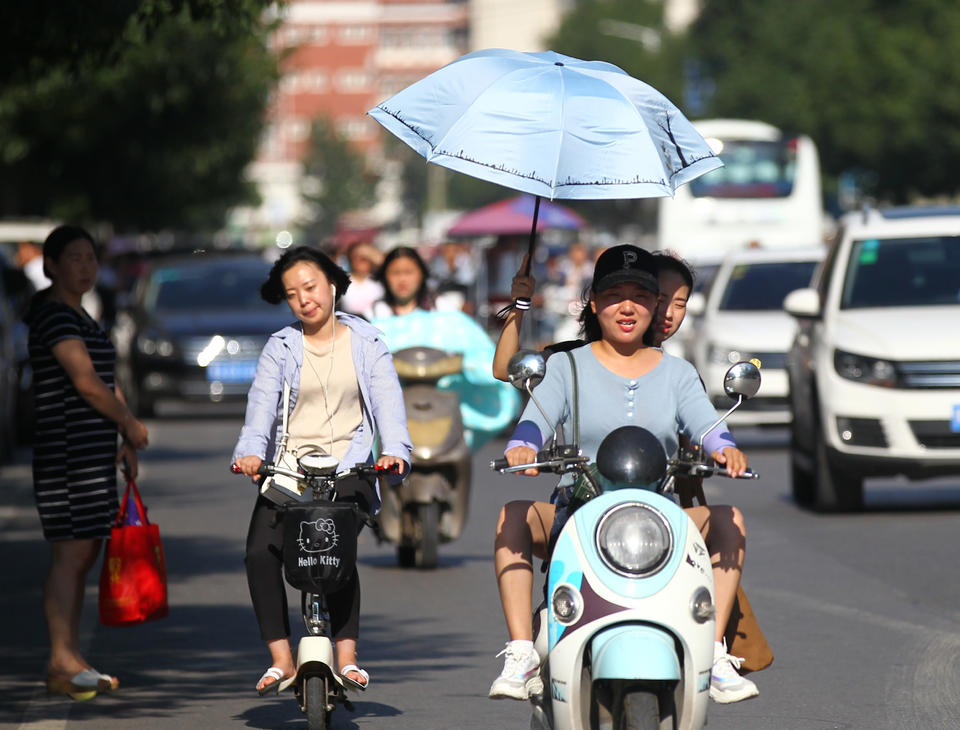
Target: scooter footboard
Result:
[615, 651]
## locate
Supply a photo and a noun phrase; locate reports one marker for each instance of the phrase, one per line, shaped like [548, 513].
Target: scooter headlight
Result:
[566, 604]
[634, 539]
[701, 606]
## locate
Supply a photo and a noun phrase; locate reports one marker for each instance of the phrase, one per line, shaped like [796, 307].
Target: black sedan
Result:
[195, 329]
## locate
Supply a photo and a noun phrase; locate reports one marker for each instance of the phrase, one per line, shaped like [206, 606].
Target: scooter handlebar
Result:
[267, 469]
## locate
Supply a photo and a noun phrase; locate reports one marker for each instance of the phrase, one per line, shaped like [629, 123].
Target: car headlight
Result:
[155, 346]
[634, 539]
[725, 355]
[866, 370]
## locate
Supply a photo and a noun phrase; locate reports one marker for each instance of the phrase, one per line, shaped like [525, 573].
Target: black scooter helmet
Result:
[632, 456]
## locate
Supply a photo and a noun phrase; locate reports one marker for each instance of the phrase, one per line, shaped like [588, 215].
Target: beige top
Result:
[329, 399]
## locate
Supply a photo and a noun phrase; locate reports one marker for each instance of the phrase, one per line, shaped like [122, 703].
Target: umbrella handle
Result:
[533, 235]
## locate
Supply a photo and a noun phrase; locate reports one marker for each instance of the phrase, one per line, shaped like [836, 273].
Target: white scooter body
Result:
[315, 659]
[627, 629]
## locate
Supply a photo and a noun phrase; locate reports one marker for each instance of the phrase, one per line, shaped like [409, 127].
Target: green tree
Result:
[874, 82]
[147, 122]
[335, 180]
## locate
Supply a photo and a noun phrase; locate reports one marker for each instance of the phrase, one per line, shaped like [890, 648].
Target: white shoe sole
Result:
[533, 686]
[725, 698]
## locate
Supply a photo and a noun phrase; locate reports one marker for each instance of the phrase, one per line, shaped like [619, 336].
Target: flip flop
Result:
[352, 683]
[112, 683]
[279, 684]
[81, 687]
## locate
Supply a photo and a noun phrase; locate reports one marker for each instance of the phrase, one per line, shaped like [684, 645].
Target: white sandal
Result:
[281, 682]
[352, 683]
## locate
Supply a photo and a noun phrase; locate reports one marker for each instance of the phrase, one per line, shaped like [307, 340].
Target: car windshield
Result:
[903, 272]
[764, 286]
[234, 287]
[751, 169]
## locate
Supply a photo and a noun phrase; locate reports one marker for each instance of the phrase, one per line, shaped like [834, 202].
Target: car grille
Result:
[757, 403]
[771, 360]
[930, 375]
[247, 348]
[935, 434]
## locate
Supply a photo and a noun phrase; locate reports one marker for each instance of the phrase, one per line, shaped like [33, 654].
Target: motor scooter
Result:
[626, 632]
[318, 687]
[430, 506]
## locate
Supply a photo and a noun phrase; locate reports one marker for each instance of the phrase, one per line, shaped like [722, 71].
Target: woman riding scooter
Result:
[638, 385]
[343, 393]
[406, 318]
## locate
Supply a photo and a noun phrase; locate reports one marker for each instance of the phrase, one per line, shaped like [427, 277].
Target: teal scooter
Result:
[627, 628]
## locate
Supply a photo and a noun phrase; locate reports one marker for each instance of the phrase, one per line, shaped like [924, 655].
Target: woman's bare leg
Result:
[725, 534]
[523, 531]
[63, 591]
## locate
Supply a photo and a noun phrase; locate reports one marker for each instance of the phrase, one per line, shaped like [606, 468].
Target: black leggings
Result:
[264, 561]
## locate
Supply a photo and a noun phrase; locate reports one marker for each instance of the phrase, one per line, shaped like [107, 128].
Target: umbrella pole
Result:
[523, 303]
[533, 235]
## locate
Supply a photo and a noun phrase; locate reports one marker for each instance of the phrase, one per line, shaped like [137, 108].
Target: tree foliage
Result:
[335, 180]
[874, 82]
[143, 114]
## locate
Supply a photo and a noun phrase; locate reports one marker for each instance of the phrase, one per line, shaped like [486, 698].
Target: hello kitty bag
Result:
[319, 544]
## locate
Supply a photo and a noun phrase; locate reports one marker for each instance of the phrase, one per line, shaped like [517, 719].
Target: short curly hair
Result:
[272, 289]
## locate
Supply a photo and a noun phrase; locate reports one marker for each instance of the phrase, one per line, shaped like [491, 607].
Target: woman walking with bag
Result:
[79, 412]
[342, 392]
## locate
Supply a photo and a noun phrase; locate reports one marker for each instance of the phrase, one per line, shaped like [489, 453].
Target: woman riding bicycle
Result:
[344, 392]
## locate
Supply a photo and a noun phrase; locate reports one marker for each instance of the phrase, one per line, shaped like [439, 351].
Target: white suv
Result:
[875, 367]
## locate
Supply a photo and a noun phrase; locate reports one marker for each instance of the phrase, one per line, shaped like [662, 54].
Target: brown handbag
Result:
[743, 635]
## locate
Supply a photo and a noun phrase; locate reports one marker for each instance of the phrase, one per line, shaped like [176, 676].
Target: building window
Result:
[354, 81]
[354, 128]
[319, 35]
[315, 82]
[297, 130]
[353, 35]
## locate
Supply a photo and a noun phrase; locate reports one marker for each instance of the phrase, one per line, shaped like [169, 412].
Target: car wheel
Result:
[801, 474]
[835, 490]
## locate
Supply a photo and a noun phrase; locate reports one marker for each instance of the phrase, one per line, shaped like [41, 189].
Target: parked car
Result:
[16, 407]
[194, 330]
[875, 367]
[742, 317]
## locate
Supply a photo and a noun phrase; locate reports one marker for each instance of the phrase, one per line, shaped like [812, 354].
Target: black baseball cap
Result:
[626, 263]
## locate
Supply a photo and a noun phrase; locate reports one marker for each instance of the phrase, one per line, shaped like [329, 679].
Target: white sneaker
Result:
[726, 685]
[520, 677]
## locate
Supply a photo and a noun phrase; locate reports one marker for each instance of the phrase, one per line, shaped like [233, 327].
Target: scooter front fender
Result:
[634, 652]
[315, 655]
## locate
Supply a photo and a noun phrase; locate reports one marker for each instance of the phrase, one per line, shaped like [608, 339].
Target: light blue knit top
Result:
[667, 400]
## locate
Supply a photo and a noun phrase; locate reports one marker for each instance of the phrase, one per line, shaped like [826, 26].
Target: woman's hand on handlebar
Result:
[734, 459]
[386, 462]
[522, 455]
[249, 465]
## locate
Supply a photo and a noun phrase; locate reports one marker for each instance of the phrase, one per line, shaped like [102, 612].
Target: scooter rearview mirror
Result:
[526, 369]
[742, 379]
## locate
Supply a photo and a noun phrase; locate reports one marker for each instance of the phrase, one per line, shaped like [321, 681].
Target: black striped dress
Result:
[75, 448]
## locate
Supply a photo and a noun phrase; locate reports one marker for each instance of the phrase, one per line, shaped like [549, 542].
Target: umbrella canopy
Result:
[514, 217]
[550, 125]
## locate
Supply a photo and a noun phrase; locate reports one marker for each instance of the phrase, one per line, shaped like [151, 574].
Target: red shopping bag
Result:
[133, 582]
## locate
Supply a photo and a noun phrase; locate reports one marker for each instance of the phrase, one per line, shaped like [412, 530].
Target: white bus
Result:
[767, 195]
